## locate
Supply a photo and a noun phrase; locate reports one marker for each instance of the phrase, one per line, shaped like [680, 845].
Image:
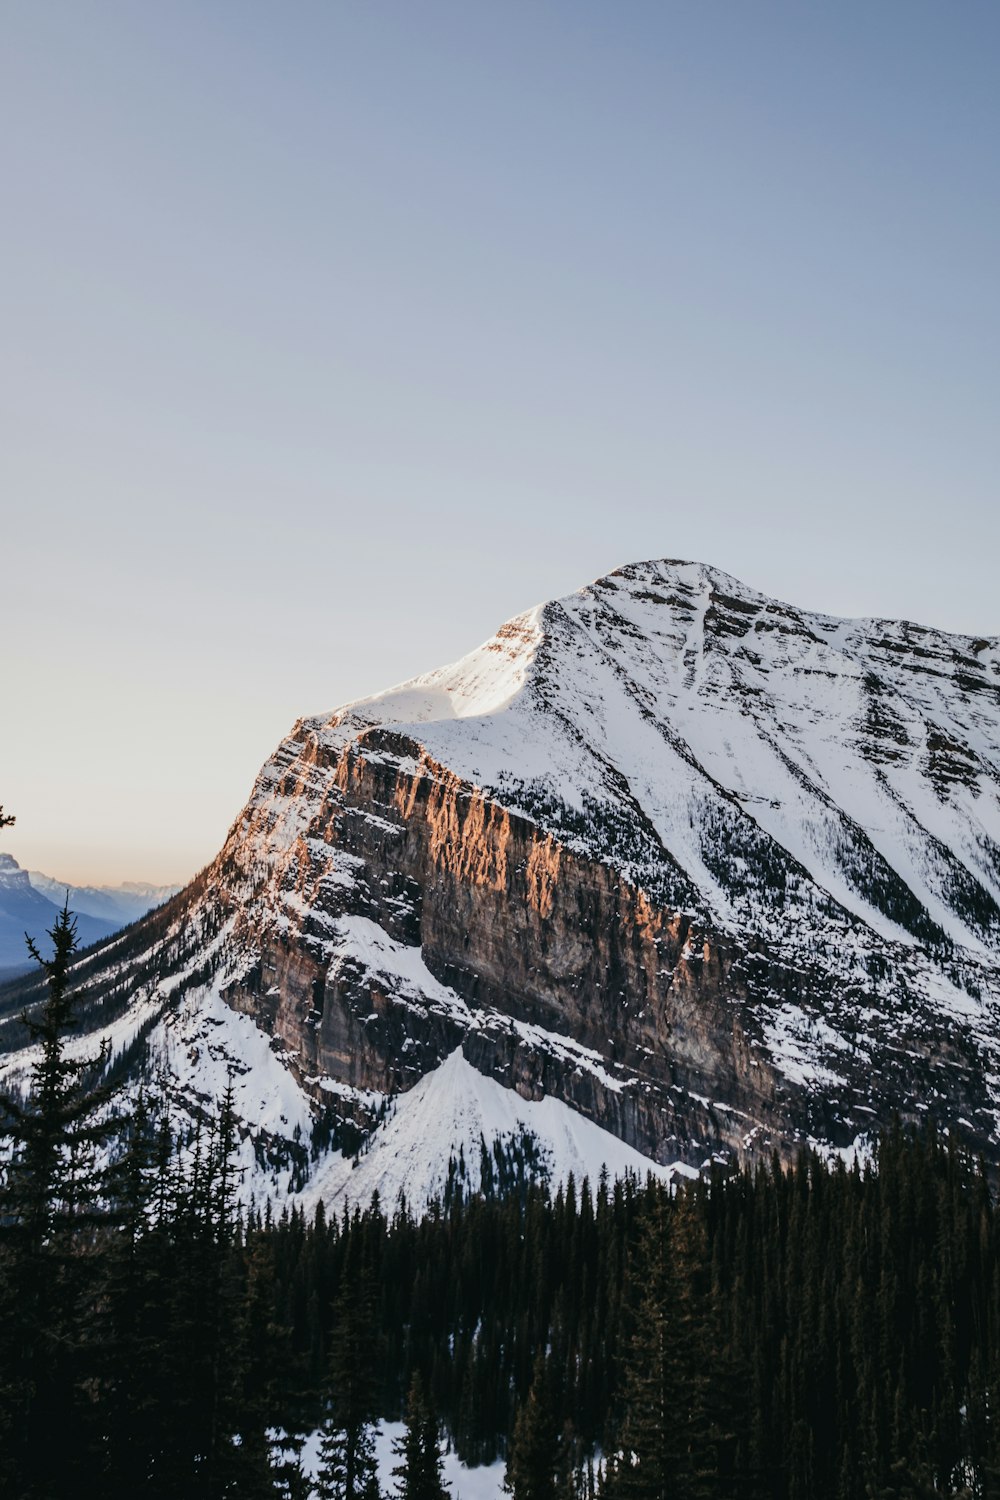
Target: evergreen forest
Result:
[783, 1332]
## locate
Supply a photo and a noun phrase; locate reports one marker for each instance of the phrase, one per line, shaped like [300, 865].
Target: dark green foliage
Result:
[50, 1214]
[123, 1289]
[419, 1449]
[665, 1435]
[787, 1333]
[802, 1333]
[534, 1459]
[347, 1447]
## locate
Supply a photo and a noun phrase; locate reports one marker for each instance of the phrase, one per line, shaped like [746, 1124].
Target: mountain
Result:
[30, 902]
[117, 904]
[424, 1143]
[23, 909]
[718, 874]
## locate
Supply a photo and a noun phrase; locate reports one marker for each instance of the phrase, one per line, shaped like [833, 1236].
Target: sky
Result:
[334, 334]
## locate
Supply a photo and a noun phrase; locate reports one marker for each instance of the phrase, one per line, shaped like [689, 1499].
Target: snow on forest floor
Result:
[483, 1483]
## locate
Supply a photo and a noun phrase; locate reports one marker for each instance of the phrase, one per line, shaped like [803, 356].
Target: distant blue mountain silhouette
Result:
[25, 910]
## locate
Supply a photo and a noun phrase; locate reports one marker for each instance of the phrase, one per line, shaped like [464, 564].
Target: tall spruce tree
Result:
[52, 1206]
[419, 1449]
[533, 1461]
[135, 1276]
[664, 1450]
[347, 1445]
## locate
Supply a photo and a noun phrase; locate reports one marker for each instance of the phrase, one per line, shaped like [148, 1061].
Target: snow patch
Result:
[456, 1106]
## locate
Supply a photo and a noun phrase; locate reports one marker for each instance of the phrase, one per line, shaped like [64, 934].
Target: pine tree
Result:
[347, 1468]
[534, 1457]
[134, 1277]
[665, 1447]
[206, 1411]
[347, 1446]
[52, 1204]
[291, 1482]
[419, 1450]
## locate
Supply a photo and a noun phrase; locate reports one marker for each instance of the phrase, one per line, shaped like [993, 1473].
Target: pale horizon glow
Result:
[336, 335]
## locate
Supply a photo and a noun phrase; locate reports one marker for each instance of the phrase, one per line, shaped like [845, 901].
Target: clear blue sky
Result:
[335, 333]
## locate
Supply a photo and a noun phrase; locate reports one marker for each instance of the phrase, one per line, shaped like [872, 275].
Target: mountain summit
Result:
[720, 874]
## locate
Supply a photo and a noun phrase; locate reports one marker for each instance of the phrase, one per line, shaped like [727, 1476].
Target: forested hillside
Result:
[788, 1333]
[803, 1331]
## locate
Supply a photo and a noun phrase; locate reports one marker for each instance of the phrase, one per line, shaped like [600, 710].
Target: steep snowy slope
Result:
[868, 751]
[717, 873]
[441, 1129]
[451, 1130]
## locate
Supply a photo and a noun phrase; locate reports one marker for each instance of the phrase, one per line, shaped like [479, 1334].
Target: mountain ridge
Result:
[120, 904]
[31, 901]
[719, 873]
[28, 912]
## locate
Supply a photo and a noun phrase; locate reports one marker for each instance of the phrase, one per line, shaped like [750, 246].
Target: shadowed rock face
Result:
[721, 874]
[516, 928]
[715, 998]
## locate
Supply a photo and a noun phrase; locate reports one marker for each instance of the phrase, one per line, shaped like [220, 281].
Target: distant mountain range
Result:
[119, 904]
[30, 902]
[711, 874]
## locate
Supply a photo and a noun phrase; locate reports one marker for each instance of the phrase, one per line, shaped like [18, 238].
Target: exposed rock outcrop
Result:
[720, 874]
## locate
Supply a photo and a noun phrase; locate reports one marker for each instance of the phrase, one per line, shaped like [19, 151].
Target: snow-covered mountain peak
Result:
[713, 871]
[823, 790]
[698, 700]
[480, 684]
[12, 877]
[116, 904]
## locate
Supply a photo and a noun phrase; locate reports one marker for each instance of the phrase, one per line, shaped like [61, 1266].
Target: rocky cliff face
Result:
[463, 923]
[719, 874]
